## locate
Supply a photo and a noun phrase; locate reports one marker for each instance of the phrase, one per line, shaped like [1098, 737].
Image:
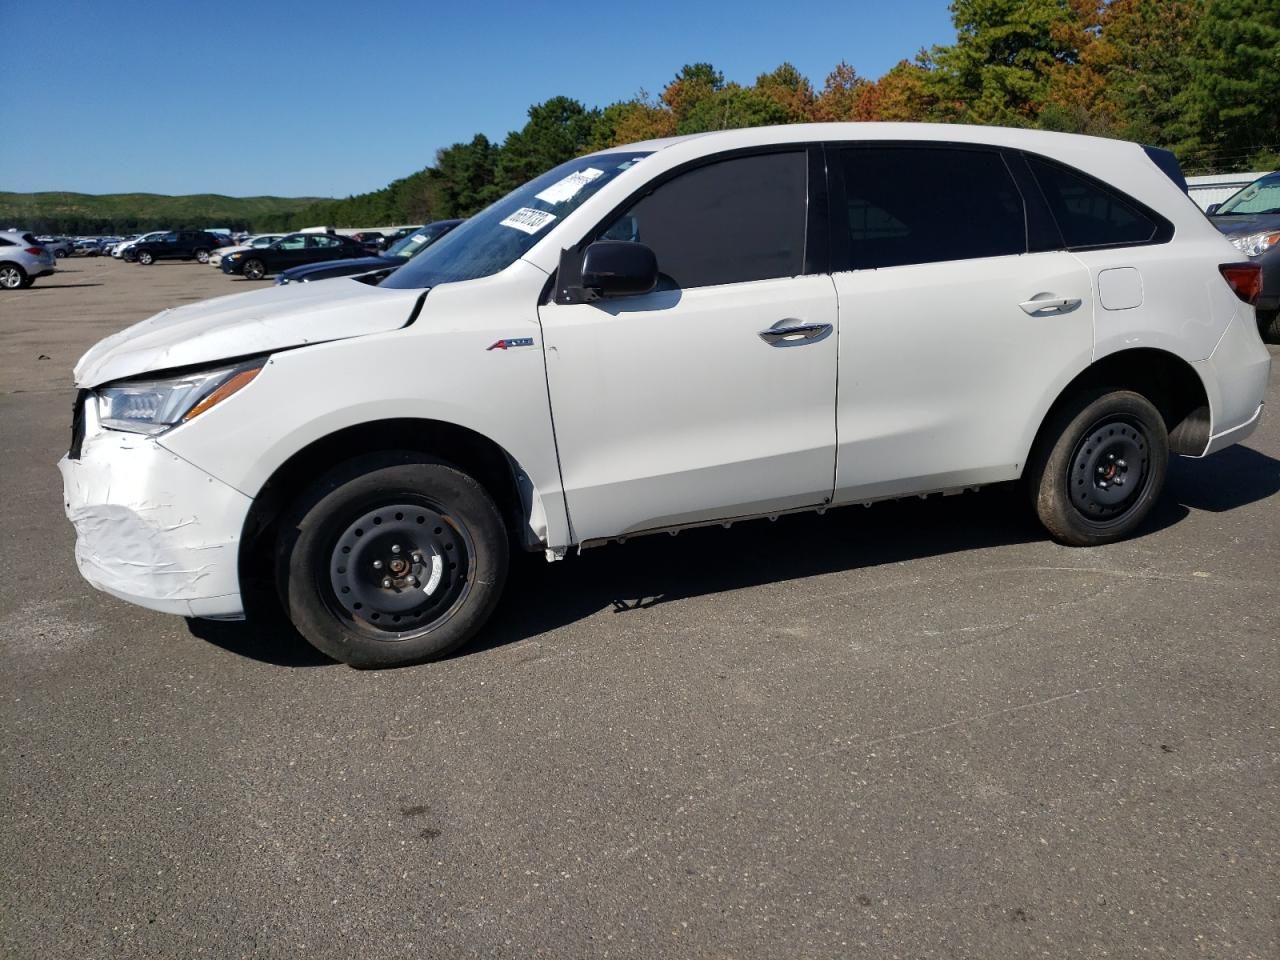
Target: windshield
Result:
[408, 247]
[504, 231]
[1261, 196]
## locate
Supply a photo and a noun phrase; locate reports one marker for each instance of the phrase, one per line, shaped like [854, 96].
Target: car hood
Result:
[244, 324]
[1235, 225]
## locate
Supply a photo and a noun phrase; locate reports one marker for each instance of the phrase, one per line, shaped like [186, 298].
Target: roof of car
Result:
[870, 130]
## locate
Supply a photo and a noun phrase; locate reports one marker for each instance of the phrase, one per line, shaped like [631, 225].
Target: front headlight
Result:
[1256, 244]
[153, 406]
[236, 256]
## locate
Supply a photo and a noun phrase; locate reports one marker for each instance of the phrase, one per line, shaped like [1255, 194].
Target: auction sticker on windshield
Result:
[566, 189]
[528, 219]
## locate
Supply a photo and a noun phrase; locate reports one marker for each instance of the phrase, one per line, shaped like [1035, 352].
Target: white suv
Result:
[688, 331]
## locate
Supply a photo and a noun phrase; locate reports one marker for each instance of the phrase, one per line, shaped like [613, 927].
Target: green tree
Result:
[997, 71]
[558, 130]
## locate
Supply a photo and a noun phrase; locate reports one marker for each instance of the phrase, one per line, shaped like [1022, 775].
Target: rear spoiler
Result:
[1168, 164]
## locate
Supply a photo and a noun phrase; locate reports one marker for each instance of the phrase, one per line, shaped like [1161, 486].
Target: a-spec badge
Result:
[509, 342]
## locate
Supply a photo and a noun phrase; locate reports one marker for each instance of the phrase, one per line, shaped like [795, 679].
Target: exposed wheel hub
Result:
[1109, 469]
[400, 567]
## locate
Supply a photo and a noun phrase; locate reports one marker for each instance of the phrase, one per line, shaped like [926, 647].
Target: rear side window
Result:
[732, 221]
[929, 204]
[1089, 214]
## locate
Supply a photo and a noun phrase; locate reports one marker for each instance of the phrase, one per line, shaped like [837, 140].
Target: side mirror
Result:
[1212, 209]
[619, 268]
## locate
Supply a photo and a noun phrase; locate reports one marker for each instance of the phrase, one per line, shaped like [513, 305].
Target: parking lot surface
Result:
[918, 730]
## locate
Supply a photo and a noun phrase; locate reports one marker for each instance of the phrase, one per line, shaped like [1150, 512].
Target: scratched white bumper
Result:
[153, 529]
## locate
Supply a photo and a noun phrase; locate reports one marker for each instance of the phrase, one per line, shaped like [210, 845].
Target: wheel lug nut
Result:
[386, 582]
[417, 558]
[413, 581]
[395, 549]
[1103, 484]
[377, 564]
[1122, 465]
[1102, 471]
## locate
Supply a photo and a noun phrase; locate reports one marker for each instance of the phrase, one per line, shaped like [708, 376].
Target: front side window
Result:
[503, 232]
[909, 205]
[732, 221]
[295, 242]
[1261, 196]
[1089, 214]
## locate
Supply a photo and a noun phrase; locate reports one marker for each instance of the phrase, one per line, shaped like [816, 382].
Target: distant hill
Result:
[85, 213]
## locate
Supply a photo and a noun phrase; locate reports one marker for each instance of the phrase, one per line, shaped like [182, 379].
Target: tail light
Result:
[35, 251]
[1244, 279]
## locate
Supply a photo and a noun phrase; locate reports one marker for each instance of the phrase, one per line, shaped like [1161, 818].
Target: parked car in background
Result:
[23, 260]
[377, 267]
[121, 248]
[397, 235]
[743, 323]
[59, 246]
[253, 242]
[290, 251]
[174, 245]
[371, 240]
[88, 247]
[1251, 220]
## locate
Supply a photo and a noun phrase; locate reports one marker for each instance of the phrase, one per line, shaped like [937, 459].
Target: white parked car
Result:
[260, 240]
[118, 250]
[723, 326]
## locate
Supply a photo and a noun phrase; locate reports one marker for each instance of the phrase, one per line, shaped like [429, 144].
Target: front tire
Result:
[254, 269]
[1100, 467]
[12, 276]
[146, 258]
[391, 559]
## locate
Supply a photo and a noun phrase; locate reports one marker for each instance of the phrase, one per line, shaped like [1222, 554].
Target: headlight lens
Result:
[153, 406]
[1256, 244]
[236, 256]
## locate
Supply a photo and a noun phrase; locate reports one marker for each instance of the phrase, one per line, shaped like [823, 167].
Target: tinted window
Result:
[925, 204]
[1089, 214]
[728, 222]
[293, 242]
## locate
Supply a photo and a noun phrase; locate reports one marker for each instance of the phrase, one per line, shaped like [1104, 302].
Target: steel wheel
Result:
[254, 269]
[400, 570]
[11, 276]
[1110, 469]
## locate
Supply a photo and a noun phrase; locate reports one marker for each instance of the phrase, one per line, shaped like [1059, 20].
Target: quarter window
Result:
[733, 221]
[1088, 214]
[929, 204]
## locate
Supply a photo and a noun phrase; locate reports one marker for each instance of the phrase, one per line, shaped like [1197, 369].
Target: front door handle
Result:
[794, 333]
[1044, 304]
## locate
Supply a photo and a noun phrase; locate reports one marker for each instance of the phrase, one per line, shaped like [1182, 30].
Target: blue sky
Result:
[334, 97]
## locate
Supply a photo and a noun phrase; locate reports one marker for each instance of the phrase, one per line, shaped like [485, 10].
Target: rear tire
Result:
[254, 269]
[12, 276]
[1269, 325]
[202, 256]
[146, 258]
[391, 559]
[1099, 468]
[59, 254]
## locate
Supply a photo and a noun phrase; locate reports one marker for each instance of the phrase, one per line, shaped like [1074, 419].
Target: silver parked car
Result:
[22, 260]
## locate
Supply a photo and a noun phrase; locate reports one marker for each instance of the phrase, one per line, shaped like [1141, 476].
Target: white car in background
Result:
[118, 250]
[725, 326]
[259, 240]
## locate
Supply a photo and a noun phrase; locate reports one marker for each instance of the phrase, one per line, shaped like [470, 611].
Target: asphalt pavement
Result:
[920, 730]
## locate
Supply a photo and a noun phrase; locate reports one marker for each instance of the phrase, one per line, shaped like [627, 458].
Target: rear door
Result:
[960, 317]
[689, 403]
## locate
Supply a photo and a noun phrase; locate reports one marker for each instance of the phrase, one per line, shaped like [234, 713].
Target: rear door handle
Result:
[1043, 304]
[794, 333]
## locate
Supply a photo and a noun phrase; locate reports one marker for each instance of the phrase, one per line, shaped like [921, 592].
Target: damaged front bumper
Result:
[151, 528]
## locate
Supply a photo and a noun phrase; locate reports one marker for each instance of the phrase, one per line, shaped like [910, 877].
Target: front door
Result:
[711, 397]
